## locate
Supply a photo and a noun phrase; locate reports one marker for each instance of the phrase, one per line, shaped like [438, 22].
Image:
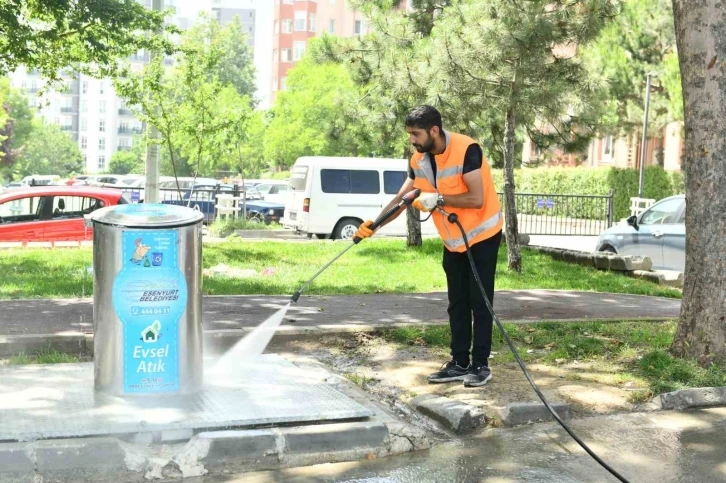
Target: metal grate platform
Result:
[58, 401]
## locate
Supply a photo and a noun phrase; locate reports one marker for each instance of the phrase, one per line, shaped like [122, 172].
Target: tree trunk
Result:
[511, 229]
[413, 227]
[701, 39]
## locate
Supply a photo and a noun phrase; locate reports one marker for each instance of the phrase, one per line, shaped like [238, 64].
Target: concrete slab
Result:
[457, 416]
[58, 401]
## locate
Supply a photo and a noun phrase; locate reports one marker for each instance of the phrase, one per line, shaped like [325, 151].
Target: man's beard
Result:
[426, 147]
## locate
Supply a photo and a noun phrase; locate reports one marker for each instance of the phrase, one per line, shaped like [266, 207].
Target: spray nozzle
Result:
[409, 197]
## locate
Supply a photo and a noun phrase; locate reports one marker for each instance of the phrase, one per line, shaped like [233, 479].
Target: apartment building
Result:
[297, 21]
[226, 10]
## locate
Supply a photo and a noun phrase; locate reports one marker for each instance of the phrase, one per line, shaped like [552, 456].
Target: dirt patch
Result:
[395, 373]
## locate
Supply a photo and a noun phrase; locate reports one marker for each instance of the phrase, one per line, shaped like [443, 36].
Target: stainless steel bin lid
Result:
[146, 215]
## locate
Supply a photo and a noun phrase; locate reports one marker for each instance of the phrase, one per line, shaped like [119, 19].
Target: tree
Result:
[639, 40]
[89, 36]
[49, 151]
[235, 65]
[16, 117]
[701, 37]
[125, 162]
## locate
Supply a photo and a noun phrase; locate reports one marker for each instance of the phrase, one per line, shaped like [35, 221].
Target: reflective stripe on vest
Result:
[455, 243]
[450, 171]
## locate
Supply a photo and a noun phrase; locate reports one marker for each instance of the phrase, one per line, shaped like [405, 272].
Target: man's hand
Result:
[425, 202]
[364, 230]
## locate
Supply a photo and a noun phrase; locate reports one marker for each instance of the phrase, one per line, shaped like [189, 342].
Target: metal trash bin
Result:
[147, 302]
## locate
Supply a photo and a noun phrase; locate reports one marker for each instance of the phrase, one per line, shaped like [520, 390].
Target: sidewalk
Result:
[63, 316]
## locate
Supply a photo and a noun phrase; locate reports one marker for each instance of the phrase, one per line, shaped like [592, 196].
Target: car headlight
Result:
[271, 212]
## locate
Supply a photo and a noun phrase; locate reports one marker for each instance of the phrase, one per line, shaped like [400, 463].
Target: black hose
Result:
[452, 218]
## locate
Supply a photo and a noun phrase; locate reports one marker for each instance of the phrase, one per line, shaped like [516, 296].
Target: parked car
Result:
[276, 191]
[658, 233]
[203, 198]
[263, 211]
[40, 180]
[52, 213]
[332, 196]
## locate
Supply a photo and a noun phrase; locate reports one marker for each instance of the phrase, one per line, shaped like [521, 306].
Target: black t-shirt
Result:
[472, 161]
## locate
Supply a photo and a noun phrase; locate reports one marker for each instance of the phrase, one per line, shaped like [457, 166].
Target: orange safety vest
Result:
[479, 223]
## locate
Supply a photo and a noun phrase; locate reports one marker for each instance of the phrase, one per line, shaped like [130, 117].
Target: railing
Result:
[128, 130]
[550, 214]
[66, 128]
[125, 112]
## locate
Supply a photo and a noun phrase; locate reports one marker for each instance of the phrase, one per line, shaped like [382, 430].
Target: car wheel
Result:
[346, 228]
[608, 248]
[255, 218]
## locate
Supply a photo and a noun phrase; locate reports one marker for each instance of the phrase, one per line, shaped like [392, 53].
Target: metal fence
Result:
[203, 199]
[549, 214]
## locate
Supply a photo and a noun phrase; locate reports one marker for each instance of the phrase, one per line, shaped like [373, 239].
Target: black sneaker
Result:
[449, 372]
[478, 375]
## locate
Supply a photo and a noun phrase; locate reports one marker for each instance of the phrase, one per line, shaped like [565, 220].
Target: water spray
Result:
[254, 343]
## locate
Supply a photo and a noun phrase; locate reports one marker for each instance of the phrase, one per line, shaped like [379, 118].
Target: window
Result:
[393, 180]
[84, 142]
[84, 88]
[276, 27]
[22, 210]
[287, 26]
[101, 87]
[274, 83]
[300, 17]
[665, 212]
[275, 56]
[102, 107]
[358, 27]
[350, 181]
[298, 178]
[65, 207]
[283, 84]
[24, 85]
[84, 124]
[298, 50]
[311, 21]
[102, 125]
[287, 55]
[84, 105]
[101, 163]
[124, 143]
[287, 2]
[608, 146]
[331, 25]
[101, 143]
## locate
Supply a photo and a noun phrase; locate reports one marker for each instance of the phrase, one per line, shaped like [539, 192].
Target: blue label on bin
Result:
[149, 296]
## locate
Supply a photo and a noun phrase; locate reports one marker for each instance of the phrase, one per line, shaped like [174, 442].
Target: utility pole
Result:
[645, 134]
[151, 189]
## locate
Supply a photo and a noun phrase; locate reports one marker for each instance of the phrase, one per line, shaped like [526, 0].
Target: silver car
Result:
[658, 233]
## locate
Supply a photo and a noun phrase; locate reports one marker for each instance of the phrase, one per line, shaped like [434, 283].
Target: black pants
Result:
[465, 299]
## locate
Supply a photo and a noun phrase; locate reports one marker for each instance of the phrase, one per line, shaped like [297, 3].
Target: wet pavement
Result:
[661, 447]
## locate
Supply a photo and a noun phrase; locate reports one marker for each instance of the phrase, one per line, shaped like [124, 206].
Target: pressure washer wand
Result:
[405, 201]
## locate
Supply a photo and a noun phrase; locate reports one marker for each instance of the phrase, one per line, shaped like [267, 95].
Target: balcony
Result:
[129, 130]
[123, 148]
[66, 110]
[67, 127]
[125, 112]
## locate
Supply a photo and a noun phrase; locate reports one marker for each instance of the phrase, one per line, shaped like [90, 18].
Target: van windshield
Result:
[299, 178]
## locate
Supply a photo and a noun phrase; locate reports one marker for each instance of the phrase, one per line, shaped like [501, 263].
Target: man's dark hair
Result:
[424, 117]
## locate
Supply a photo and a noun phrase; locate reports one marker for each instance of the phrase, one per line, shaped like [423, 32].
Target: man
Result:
[452, 174]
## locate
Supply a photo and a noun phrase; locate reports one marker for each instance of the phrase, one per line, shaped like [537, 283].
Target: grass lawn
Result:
[625, 351]
[383, 265]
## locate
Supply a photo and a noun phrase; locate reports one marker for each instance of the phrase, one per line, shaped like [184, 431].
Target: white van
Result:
[41, 180]
[331, 196]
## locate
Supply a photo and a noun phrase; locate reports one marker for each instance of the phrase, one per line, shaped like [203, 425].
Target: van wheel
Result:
[346, 228]
[608, 249]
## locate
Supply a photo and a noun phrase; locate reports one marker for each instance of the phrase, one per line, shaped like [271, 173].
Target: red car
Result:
[52, 213]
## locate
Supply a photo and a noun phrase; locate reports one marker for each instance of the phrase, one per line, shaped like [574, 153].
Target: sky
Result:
[263, 35]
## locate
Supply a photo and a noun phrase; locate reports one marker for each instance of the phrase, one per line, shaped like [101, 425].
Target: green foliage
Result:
[90, 36]
[49, 151]
[125, 162]
[196, 106]
[309, 118]
[639, 40]
[600, 181]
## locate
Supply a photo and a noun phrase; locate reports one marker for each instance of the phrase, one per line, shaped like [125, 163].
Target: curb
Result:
[216, 341]
[699, 397]
[207, 453]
